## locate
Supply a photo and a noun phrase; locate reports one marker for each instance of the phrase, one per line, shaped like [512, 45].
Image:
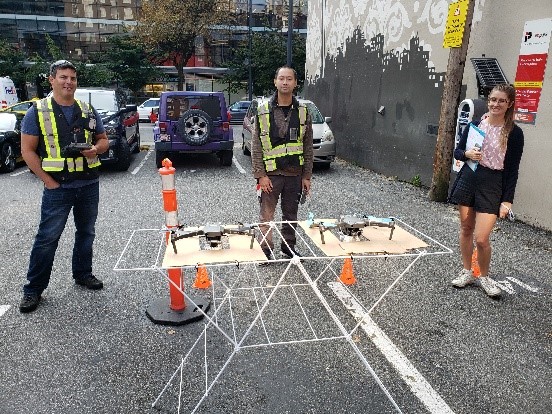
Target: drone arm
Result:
[244, 229]
[380, 222]
[179, 234]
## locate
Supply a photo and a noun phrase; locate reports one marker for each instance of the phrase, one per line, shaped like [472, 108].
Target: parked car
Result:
[20, 107]
[144, 109]
[10, 140]
[121, 124]
[238, 111]
[192, 122]
[323, 139]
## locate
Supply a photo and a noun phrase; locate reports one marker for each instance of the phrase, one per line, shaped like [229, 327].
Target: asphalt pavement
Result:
[423, 345]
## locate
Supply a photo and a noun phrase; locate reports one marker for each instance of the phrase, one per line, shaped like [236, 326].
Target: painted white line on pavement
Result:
[20, 172]
[238, 166]
[142, 163]
[4, 309]
[410, 375]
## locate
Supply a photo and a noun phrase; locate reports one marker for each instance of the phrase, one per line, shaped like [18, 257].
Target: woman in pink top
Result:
[487, 193]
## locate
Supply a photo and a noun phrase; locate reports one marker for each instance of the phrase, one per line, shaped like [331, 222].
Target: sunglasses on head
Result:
[61, 64]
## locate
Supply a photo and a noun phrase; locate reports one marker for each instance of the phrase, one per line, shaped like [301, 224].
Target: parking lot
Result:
[424, 346]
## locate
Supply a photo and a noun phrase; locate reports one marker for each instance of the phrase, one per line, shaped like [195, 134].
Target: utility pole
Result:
[442, 158]
[250, 24]
[290, 33]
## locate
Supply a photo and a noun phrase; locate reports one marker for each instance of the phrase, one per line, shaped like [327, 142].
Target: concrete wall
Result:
[495, 36]
[363, 55]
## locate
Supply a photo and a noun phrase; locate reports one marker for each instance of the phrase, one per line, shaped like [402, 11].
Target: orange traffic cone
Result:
[475, 264]
[202, 280]
[347, 277]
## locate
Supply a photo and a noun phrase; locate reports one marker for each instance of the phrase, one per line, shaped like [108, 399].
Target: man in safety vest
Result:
[60, 140]
[282, 158]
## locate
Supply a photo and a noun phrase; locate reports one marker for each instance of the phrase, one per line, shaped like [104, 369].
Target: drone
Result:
[350, 226]
[213, 236]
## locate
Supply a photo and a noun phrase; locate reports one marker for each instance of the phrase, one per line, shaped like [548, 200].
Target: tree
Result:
[170, 27]
[129, 63]
[94, 75]
[268, 53]
[12, 65]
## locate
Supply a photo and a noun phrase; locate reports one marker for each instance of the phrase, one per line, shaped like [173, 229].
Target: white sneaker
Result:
[489, 286]
[465, 278]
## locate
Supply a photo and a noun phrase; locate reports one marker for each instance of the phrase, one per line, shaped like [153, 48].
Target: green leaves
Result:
[269, 52]
[170, 27]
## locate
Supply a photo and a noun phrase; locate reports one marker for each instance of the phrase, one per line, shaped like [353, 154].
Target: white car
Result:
[144, 110]
[323, 139]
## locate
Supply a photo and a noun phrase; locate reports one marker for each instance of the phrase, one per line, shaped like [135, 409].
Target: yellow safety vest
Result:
[53, 161]
[270, 153]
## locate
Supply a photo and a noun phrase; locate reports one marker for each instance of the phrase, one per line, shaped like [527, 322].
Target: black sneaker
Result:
[29, 303]
[90, 283]
[290, 251]
[269, 256]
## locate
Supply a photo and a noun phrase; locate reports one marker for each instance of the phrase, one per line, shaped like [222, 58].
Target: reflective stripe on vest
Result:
[48, 126]
[291, 148]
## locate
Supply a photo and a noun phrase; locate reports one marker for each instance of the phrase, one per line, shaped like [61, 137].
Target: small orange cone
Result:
[347, 277]
[475, 265]
[202, 280]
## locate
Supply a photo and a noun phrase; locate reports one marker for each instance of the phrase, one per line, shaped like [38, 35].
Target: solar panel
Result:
[489, 74]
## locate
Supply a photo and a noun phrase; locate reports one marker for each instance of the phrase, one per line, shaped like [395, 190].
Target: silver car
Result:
[323, 139]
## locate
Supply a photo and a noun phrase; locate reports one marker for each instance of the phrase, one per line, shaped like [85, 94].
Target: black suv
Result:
[121, 124]
[193, 122]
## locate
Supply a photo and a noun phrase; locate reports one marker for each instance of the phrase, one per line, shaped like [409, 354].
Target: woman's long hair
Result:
[509, 115]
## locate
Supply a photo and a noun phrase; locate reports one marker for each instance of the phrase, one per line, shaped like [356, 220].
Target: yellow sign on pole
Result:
[456, 21]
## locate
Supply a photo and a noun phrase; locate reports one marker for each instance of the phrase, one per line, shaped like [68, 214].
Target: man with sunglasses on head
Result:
[61, 138]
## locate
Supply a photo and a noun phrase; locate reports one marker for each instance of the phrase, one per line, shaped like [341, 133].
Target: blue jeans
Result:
[56, 206]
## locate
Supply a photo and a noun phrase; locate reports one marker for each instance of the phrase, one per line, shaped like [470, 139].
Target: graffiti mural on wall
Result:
[363, 56]
[331, 22]
[357, 83]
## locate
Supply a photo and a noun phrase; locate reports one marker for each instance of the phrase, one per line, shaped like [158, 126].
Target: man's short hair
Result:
[61, 64]
[285, 67]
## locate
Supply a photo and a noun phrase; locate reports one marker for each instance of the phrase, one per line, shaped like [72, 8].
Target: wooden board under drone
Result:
[377, 240]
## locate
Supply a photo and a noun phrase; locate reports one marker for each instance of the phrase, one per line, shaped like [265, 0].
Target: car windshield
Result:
[7, 122]
[100, 100]
[240, 106]
[315, 114]
[151, 103]
[178, 105]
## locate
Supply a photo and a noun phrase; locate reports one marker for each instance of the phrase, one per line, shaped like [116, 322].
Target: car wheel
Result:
[244, 147]
[136, 149]
[123, 155]
[226, 158]
[7, 158]
[195, 127]
[159, 157]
